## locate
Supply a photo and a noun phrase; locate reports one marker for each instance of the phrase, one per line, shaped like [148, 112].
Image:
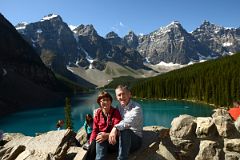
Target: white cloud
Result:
[120, 28]
[121, 24]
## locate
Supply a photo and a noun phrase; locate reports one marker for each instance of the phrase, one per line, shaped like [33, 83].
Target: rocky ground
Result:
[216, 137]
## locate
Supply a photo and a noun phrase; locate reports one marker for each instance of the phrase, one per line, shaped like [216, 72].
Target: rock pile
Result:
[201, 138]
[51, 145]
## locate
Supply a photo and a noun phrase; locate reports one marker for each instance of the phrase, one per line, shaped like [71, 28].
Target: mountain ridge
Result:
[163, 44]
[167, 44]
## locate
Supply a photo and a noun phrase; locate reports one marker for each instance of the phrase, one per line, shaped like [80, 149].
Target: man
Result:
[130, 127]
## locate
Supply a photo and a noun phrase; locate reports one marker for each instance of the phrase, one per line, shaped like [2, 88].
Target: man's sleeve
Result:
[130, 119]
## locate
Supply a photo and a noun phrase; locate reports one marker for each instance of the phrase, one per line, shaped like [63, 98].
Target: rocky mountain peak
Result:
[21, 25]
[131, 34]
[175, 25]
[114, 39]
[52, 17]
[112, 35]
[85, 30]
[131, 39]
[219, 39]
[209, 27]
[170, 44]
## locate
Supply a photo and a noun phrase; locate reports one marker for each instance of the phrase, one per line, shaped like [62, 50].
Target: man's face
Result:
[123, 96]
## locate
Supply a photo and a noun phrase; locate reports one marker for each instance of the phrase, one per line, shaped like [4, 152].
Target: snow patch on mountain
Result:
[89, 59]
[72, 27]
[109, 55]
[21, 26]
[227, 44]
[48, 17]
[39, 31]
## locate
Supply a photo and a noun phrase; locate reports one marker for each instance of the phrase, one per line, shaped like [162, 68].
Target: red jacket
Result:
[100, 125]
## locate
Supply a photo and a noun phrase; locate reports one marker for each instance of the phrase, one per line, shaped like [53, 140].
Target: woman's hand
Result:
[101, 137]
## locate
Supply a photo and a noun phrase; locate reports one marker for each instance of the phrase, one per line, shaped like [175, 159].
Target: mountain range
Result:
[33, 54]
[82, 51]
[61, 48]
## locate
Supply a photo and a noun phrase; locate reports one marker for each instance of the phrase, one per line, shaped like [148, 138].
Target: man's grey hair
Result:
[123, 87]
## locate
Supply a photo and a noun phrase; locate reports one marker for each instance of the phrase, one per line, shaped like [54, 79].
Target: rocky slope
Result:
[55, 43]
[98, 50]
[24, 79]
[219, 39]
[200, 138]
[171, 44]
[85, 48]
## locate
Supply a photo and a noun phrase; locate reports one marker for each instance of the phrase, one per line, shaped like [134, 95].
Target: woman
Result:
[104, 120]
[88, 125]
[59, 124]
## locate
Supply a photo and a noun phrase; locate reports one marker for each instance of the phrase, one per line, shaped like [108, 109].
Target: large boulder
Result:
[81, 136]
[183, 126]
[51, 145]
[232, 145]
[152, 136]
[225, 125]
[206, 128]
[209, 150]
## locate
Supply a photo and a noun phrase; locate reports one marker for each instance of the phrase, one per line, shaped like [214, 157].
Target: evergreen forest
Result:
[215, 82]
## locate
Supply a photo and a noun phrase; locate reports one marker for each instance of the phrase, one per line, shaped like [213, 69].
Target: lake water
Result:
[155, 112]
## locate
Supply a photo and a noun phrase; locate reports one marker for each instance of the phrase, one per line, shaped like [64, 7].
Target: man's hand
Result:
[101, 137]
[112, 136]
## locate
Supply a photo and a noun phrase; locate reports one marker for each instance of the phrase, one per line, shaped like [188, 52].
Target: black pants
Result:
[91, 152]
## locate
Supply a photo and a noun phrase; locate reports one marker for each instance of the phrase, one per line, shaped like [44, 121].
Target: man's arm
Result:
[130, 119]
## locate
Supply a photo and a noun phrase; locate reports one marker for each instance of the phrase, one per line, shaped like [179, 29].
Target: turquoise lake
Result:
[156, 112]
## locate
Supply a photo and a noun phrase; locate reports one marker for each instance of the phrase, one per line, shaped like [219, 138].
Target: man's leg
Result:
[101, 150]
[128, 142]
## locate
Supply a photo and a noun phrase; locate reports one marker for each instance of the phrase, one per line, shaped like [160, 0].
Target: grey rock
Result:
[232, 156]
[51, 145]
[12, 152]
[209, 150]
[183, 127]
[206, 128]
[225, 127]
[232, 145]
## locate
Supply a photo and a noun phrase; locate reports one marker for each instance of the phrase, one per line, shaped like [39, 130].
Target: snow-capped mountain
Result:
[102, 50]
[219, 39]
[58, 45]
[171, 44]
[52, 39]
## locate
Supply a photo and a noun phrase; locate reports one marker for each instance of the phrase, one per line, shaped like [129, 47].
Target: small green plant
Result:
[68, 115]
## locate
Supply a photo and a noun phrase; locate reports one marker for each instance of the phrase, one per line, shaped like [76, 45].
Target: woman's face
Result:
[105, 103]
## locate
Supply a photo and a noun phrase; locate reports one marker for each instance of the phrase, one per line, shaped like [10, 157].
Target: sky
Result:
[122, 16]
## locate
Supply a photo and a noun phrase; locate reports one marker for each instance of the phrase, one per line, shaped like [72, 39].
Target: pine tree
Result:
[68, 115]
[214, 81]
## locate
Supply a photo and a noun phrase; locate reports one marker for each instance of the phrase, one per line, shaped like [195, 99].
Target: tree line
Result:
[215, 81]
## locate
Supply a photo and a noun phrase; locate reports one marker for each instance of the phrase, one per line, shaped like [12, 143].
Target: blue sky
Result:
[121, 16]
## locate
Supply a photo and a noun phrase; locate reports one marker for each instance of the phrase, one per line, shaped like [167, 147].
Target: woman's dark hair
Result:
[89, 119]
[102, 95]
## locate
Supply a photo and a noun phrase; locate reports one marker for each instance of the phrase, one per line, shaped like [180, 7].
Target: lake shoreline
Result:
[174, 99]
